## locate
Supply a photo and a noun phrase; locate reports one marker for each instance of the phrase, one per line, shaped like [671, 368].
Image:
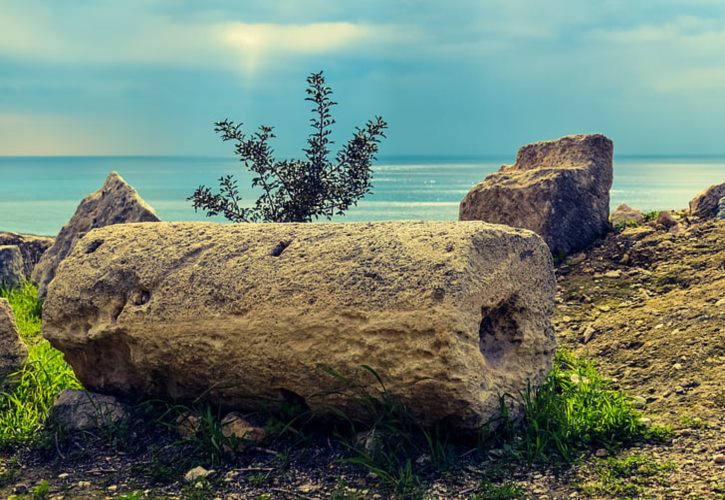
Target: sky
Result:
[454, 77]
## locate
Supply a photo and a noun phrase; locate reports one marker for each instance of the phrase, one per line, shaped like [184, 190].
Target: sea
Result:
[39, 194]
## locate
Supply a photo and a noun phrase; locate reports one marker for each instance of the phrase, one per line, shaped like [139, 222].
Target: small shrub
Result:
[297, 190]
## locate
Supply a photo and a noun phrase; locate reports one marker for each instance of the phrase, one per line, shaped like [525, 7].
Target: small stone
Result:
[613, 274]
[601, 453]
[112, 488]
[659, 326]
[237, 427]
[197, 473]
[20, 489]
[639, 401]
[84, 484]
[604, 308]
[589, 334]
[645, 421]
[308, 488]
[64, 475]
[77, 410]
[677, 366]
[188, 424]
[719, 459]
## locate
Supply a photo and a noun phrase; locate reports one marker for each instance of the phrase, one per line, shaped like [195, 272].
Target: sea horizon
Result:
[38, 194]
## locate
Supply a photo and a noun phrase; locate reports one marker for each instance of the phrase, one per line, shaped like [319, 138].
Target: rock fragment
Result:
[559, 189]
[12, 350]
[115, 203]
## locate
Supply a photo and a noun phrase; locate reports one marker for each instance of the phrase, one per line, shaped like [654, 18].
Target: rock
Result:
[558, 189]
[12, 273]
[12, 350]
[197, 473]
[31, 247]
[188, 424]
[76, 410]
[719, 459]
[115, 203]
[706, 204]
[644, 421]
[626, 216]
[616, 273]
[450, 314]
[601, 453]
[235, 426]
[666, 219]
[721, 209]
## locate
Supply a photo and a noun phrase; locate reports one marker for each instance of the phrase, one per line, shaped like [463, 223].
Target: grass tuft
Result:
[28, 394]
[574, 410]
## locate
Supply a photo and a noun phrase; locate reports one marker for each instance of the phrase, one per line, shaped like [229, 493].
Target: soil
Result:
[647, 304]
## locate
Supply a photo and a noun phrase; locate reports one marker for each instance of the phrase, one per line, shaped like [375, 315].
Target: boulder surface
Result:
[450, 315]
[31, 247]
[12, 350]
[706, 204]
[12, 270]
[559, 189]
[115, 203]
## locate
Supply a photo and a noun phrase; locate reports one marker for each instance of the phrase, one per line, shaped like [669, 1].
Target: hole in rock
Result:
[279, 248]
[140, 297]
[499, 333]
[93, 246]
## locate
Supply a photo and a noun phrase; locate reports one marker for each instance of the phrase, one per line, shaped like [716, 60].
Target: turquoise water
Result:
[38, 195]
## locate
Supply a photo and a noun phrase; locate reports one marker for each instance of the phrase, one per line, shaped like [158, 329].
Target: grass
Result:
[28, 394]
[627, 477]
[576, 409]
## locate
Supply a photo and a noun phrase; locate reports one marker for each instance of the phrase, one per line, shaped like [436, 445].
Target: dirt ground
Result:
[647, 304]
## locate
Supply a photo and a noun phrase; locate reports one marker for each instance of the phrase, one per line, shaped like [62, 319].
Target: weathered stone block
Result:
[451, 315]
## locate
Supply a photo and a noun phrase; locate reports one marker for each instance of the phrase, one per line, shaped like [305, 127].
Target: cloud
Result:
[147, 37]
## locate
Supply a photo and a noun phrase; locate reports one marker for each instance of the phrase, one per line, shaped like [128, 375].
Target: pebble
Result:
[639, 401]
[601, 453]
[645, 421]
[613, 274]
[197, 473]
[64, 475]
[84, 484]
[719, 459]
[677, 366]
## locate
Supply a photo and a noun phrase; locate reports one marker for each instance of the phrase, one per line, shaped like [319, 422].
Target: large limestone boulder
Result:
[12, 272]
[558, 189]
[451, 315]
[12, 350]
[706, 204]
[115, 203]
[31, 247]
